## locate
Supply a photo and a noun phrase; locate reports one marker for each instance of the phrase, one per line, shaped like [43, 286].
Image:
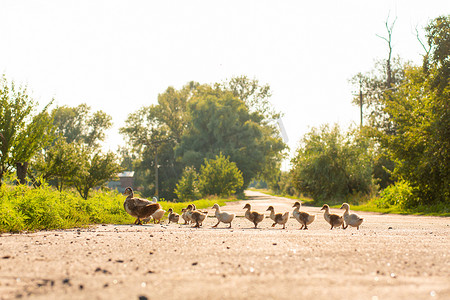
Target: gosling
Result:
[332, 219]
[302, 217]
[351, 219]
[222, 216]
[173, 217]
[253, 216]
[278, 218]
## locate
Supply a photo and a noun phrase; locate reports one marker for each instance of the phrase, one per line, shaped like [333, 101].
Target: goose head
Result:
[215, 206]
[247, 206]
[270, 208]
[345, 206]
[128, 191]
[325, 207]
[296, 204]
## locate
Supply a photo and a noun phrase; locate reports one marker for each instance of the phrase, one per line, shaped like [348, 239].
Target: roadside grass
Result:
[23, 208]
[370, 205]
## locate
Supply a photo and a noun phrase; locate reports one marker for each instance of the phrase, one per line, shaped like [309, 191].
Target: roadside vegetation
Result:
[398, 159]
[24, 208]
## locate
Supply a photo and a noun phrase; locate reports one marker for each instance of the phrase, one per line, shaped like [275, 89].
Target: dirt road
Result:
[390, 257]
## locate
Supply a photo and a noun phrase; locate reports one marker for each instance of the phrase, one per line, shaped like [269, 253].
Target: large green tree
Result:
[420, 110]
[170, 130]
[23, 131]
[331, 165]
[152, 133]
[220, 122]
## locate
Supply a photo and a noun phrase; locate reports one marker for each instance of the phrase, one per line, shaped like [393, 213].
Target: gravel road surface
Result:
[390, 257]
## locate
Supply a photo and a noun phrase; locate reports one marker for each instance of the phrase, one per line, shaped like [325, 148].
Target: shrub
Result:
[400, 194]
[187, 188]
[220, 177]
[331, 165]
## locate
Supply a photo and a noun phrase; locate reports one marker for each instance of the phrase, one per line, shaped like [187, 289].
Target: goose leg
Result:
[302, 227]
[216, 224]
[230, 225]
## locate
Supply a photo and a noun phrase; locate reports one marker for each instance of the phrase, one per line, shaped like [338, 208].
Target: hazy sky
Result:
[118, 56]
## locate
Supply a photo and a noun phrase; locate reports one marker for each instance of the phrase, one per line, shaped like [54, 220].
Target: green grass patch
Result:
[363, 203]
[23, 208]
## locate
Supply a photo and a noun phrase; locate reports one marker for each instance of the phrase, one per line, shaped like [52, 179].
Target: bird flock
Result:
[145, 210]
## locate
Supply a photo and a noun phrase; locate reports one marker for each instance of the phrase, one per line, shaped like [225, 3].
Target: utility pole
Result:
[156, 144]
[156, 172]
[360, 103]
[361, 106]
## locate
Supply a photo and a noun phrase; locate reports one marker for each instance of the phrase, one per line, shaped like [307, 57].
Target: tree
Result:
[420, 112]
[330, 165]
[23, 131]
[421, 146]
[219, 177]
[187, 186]
[78, 124]
[255, 96]
[219, 122]
[97, 169]
[60, 163]
[171, 127]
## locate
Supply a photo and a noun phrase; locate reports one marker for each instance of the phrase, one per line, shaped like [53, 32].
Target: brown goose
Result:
[137, 207]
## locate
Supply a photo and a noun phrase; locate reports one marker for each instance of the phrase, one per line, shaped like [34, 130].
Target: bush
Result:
[333, 166]
[26, 208]
[187, 188]
[220, 177]
[400, 195]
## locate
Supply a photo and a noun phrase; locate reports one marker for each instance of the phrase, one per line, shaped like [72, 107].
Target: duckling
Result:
[351, 219]
[189, 210]
[222, 216]
[253, 216]
[332, 219]
[302, 217]
[278, 218]
[173, 217]
[137, 207]
[157, 215]
[197, 216]
[185, 217]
